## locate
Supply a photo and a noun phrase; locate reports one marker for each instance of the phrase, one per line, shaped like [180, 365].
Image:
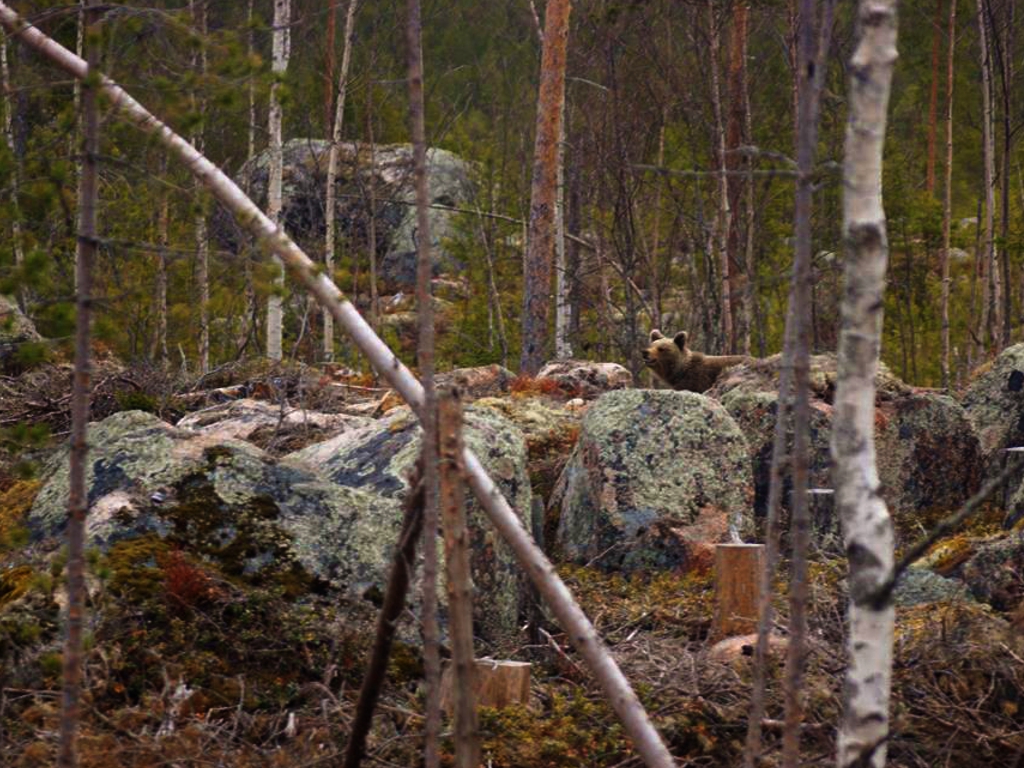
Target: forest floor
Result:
[186, 667]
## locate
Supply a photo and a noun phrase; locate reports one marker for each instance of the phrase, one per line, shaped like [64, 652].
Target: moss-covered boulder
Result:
[379, 459]
[994, 402]
[654, 476]
[928, 453]
[481, 381]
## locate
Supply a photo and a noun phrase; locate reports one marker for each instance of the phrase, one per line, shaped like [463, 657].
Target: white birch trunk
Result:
[536, 565]
[279, 65]
[563, 349]
[867, 527]
[198, 10]
[162, 239]
[332, 171]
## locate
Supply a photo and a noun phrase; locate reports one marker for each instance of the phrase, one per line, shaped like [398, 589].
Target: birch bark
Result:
[867, 527]
[198, 10]
[280, 51]
[722, 219]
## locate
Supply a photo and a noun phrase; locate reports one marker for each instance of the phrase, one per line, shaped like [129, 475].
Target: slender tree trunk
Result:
[947, 205]
[933, 96]
[534, 563]
[332, 24]
[750, 295]
[5, 84]
[425, 360]
[1006, 81]
[163, 219]
[563, 349]
[279, 65]
[809, 66]
[989, 277]
[655, 259]
[867, 527]
[251, 309]
[723, 217]
[198, 10]
[540, 240]
[78, 501]
[735, 135]
[371, 194]
[330, 214]
[459, 581]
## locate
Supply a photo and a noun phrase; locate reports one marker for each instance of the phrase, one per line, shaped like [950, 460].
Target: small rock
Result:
[474, 383]
[919, 586]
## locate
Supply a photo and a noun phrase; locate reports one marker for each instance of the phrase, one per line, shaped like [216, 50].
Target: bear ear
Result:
[680, 339]
[656, 334]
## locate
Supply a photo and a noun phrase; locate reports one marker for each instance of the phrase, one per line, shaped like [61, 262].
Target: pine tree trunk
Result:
[78, 501]
[723, 216]
[989, 276]
[736, 134]
[1006, 79]
[332, 170]
[867, 527]
[198, 10]
[163, 220]
[279, 65]
[249, 322]
[947, 205]
[428, 417]
[540, 240]
[933, 97]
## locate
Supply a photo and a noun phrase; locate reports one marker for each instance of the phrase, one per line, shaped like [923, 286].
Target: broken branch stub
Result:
[570, 616]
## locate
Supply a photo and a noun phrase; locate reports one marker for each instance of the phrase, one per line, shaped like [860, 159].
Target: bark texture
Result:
[540, 238]
[989, 329]
[332, 169]
[279, 65]
[536, 565]
[198, 10]
[428, 416]
[867, 527]
[947, 204]
[78, 501]
[5, 84]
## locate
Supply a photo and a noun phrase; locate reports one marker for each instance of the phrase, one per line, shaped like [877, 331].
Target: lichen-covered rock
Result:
[379, 459]
[927, 451]
[995, 574]
[386, 169]
[252, 517]
[15, 328]
[648, 462]
[919, 586]
[550, 432]
[586, 378]
[481, 381]
[994, 402]
[272, 427]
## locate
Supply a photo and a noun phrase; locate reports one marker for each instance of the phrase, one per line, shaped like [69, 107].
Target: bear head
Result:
[666, 357]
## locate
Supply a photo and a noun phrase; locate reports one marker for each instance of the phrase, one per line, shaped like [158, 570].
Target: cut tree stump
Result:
[496, 683]
[738, 570]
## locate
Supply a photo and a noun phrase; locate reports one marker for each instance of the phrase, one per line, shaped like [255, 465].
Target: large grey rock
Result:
[994, 402]
[655, 473]
[272, 427]
[389, 177]
[928, 453]
[995, 573]
[253, 517]
[586, 378]
[378, 460]
[919, 586]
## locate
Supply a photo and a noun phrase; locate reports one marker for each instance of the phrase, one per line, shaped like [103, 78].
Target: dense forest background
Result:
[641, 244]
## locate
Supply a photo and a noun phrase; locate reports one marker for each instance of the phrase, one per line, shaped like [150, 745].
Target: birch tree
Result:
[281, 49]
[989, 319]
[540, 240]
[867, 527]
[78, 500]
[332, 169]
[723, 216]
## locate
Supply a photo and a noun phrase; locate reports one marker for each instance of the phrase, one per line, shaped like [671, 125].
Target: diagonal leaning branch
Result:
[572, 619]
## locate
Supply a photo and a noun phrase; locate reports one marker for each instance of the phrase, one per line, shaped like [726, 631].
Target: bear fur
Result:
[682, 368]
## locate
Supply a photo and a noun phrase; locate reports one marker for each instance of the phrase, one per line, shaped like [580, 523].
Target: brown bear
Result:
[682, 368]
